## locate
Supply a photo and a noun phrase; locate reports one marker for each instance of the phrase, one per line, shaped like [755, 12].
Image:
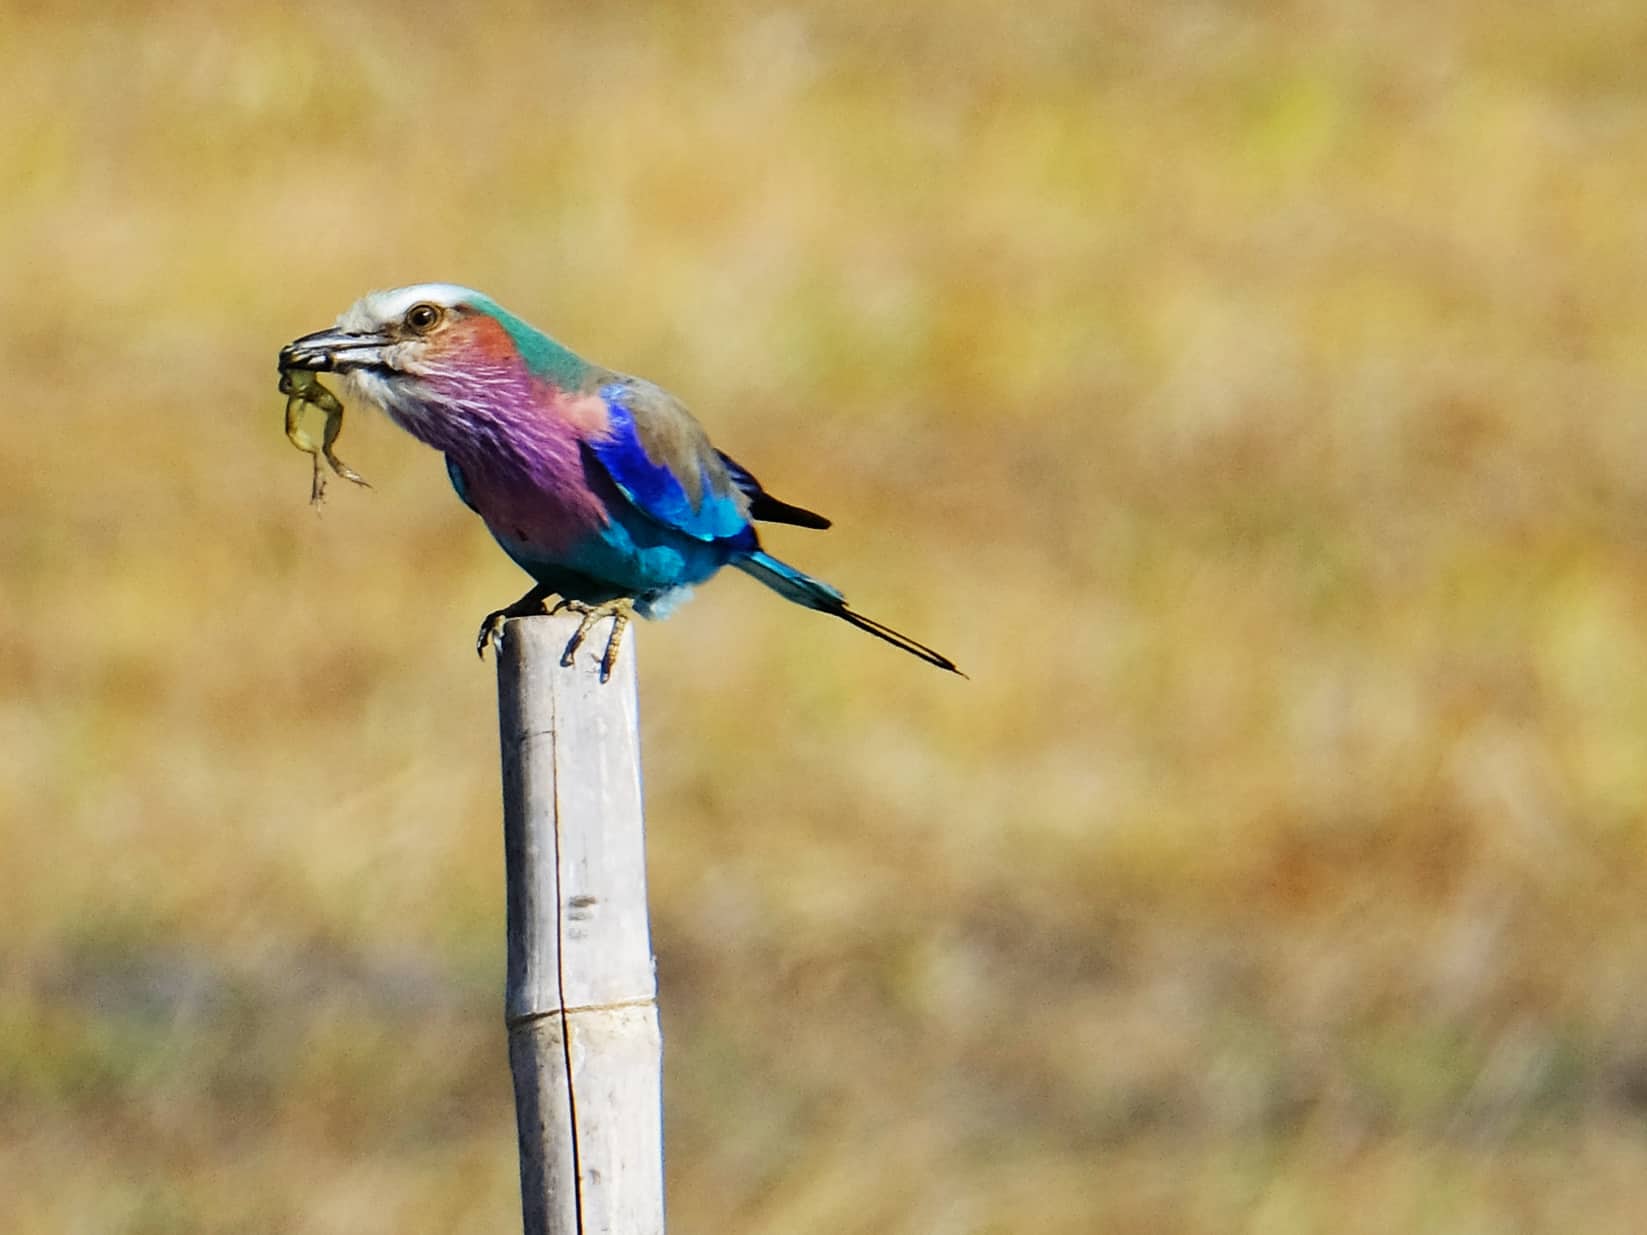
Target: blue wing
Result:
[661, 460]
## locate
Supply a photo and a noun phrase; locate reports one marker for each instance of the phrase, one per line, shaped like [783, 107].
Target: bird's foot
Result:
[620, 611]
[529, 605]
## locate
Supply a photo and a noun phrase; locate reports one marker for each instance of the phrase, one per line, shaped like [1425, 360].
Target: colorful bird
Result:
[601, 487]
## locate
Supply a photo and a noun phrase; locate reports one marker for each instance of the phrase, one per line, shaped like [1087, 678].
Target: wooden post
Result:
[581, 1001]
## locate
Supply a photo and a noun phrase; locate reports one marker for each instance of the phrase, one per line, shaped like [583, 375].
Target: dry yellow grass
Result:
[1248, 395]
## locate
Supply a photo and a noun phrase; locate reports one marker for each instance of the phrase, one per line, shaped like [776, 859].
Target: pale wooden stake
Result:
[581, 1001]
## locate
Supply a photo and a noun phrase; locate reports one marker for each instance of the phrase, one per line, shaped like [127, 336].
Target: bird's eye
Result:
[423, 317]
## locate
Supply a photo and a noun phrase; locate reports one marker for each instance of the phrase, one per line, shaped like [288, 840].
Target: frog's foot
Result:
[342, 469]
[334, 426]
[529, 605]
[620, 611]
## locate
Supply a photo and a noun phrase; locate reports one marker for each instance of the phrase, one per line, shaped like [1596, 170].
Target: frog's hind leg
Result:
[299, 437]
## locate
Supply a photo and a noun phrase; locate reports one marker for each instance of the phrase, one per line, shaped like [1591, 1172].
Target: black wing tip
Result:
[768, 509]
[811, 519]
[763, 506]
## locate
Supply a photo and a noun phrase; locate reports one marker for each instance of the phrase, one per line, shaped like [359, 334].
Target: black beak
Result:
[333, 351]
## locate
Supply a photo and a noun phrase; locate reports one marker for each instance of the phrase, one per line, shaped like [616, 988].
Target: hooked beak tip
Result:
[329, 351]
[294, 357]
[312, 352]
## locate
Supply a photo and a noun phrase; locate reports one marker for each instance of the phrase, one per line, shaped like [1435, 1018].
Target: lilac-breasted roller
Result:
[602, 487]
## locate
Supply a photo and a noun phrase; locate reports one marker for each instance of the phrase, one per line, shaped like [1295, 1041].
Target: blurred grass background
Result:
[1249, 395]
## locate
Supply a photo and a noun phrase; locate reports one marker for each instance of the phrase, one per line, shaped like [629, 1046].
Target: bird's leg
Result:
[529, 605]
[620, 611]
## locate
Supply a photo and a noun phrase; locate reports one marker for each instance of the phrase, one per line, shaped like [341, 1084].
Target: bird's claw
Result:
[620, 611]
[491, 629]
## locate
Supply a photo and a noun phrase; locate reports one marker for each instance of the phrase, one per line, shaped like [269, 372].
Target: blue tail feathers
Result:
[790, 583]
[803, 589]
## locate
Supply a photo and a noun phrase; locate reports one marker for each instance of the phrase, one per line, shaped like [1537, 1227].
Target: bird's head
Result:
[389, 345]
[426, 351]
[396, 331]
